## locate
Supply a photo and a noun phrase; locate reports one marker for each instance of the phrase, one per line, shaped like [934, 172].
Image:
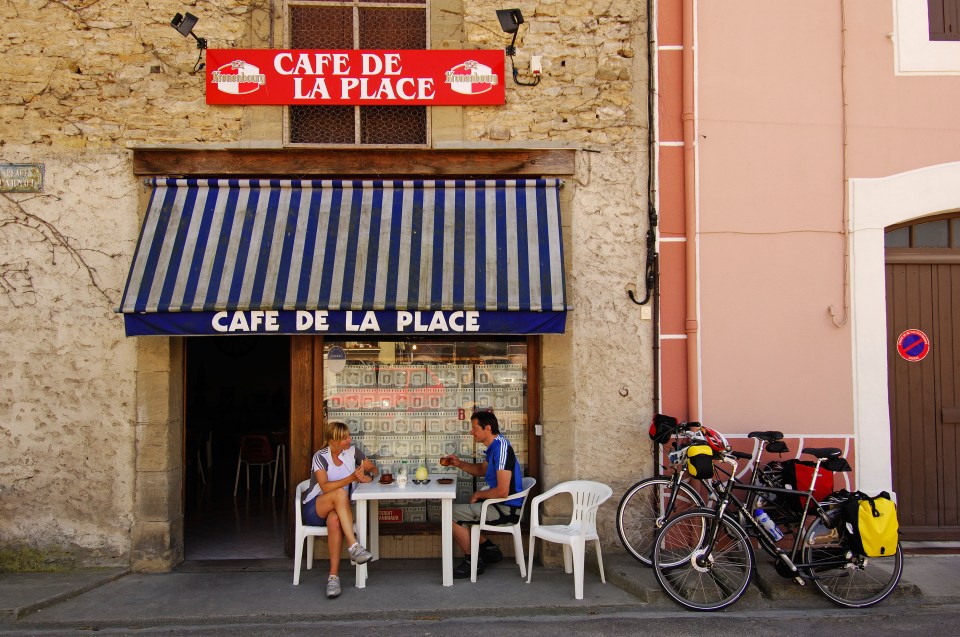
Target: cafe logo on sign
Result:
[471, 78]
[238, 78]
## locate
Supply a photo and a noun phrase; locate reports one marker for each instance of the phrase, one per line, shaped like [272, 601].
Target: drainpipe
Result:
[690, 211]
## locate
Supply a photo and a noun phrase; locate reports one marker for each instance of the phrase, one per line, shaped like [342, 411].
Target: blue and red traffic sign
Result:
[913, 345]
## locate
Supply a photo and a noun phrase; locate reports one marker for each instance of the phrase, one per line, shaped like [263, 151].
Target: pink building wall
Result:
[770, 212]
[792, 102]
[896, 123]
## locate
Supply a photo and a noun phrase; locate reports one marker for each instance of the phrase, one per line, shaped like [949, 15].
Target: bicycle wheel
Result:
[692, 577]
[855, 581]
[642, 512]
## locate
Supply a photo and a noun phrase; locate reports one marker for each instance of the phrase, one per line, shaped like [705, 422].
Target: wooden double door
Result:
[923, 293]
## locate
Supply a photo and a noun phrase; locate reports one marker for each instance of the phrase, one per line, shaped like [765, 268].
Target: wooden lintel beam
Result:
[300, 162]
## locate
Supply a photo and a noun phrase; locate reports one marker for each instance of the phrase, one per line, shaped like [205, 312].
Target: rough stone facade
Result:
[90, 424]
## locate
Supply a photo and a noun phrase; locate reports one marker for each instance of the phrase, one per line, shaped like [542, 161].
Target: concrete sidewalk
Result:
[254, 592]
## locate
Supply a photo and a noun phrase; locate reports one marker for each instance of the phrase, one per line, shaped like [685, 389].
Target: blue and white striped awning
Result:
[209, 246]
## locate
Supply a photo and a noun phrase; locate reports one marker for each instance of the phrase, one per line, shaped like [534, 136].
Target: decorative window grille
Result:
[357, 24]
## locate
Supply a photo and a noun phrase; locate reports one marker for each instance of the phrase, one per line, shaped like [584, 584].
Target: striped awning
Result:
[227, 245]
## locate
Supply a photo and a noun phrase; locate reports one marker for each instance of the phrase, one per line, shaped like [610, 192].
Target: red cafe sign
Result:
[382, 78]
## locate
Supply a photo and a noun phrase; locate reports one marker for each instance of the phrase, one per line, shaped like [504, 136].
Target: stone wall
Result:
[66, 385]
[90, 421]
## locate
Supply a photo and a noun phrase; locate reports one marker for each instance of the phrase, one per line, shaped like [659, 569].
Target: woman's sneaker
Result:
[333, 586]
[358, 554]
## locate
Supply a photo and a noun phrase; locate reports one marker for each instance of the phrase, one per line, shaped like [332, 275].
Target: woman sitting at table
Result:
[327, 503]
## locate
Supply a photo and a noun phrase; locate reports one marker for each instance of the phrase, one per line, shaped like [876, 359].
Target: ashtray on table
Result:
[444, 480]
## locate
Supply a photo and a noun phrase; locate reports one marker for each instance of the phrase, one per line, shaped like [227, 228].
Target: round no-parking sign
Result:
[913, 345]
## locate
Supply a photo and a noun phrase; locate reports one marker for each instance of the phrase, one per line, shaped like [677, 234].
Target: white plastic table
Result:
[368, 495]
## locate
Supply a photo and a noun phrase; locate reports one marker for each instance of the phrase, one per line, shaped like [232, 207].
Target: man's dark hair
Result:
[487, 419]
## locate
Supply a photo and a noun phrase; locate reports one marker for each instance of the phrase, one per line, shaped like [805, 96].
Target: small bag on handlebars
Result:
[871, 524]
[700, 461]
[662, 428]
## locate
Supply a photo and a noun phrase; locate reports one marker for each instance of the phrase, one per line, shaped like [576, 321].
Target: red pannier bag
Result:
[797, 475]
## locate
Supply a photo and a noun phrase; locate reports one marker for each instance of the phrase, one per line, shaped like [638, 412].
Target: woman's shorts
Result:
[310, 517]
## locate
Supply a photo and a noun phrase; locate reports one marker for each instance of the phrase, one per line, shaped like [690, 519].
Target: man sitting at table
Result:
[503, 474]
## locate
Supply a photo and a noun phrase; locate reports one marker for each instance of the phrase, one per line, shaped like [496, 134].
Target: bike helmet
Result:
[714, 439]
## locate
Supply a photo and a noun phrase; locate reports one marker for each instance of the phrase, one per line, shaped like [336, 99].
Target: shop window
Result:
[357, 24]
[408, 403]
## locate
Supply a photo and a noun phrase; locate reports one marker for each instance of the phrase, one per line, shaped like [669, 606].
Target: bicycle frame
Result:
[765, 539]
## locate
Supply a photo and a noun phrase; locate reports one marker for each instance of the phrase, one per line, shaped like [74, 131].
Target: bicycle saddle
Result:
[766, 436]
[823, 453]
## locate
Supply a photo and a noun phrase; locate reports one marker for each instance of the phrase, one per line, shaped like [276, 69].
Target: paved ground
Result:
[258, 592]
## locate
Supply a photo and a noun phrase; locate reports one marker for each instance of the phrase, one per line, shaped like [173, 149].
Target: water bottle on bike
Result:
[767, 523]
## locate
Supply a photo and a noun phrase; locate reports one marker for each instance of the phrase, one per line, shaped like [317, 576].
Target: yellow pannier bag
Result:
[872, 524]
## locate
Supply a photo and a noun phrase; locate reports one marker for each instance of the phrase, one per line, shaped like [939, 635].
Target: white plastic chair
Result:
[587, 498]
[514, 528]
[304, 533]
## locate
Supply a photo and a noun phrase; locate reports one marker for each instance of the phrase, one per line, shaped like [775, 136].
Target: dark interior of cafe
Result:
[236, 387]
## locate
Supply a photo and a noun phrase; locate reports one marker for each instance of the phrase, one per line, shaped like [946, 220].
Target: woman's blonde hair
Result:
[335, 431]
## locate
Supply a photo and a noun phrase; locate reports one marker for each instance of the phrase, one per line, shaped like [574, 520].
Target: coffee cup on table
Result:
[402, 480]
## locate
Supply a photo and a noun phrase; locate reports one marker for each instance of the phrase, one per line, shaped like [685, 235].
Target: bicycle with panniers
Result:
[647, 505]
[704, 558]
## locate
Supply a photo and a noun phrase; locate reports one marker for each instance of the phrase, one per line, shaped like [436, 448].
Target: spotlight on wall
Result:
[510, 21]
[184, 25]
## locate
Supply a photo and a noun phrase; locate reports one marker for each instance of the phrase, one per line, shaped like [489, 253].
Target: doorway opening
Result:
[237, 393]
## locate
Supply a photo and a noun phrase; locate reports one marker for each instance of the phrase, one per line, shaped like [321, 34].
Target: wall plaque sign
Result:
[355, 77]
[21, 177]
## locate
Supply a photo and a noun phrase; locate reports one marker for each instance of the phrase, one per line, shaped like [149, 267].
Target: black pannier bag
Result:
[662, 428]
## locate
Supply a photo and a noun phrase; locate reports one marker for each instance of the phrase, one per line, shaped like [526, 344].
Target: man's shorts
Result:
[467, 512]
[310, 517]
[498, 514]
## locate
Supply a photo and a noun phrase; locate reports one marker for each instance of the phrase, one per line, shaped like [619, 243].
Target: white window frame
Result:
[914, 52]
